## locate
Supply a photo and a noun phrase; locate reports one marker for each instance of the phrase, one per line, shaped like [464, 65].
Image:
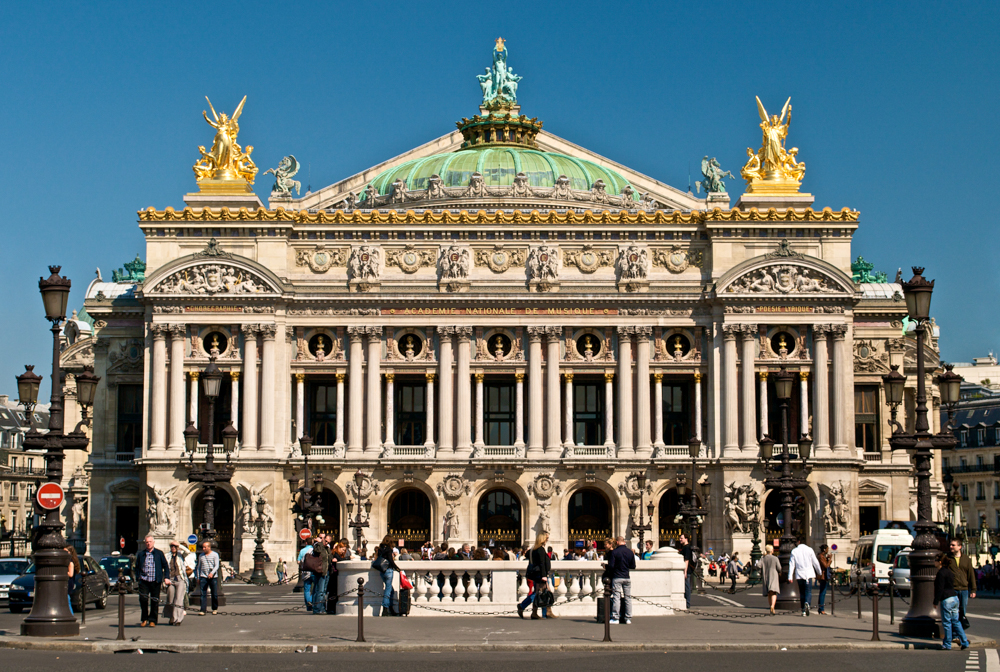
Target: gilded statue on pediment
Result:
[774, 169]
[226, 161]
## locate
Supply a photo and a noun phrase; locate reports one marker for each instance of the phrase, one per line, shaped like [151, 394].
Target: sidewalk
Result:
[722, 628]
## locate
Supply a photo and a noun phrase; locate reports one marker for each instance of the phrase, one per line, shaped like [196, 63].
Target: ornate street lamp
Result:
[644, 524]
[258, 576]
[50, 615]
[786, 484]
[753, 515]
[358, 523]
[209, 475]
[923, 618]
[690, 511]
[307, 509]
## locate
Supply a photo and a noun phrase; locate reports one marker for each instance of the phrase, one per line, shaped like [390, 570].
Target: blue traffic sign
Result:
[192, 539]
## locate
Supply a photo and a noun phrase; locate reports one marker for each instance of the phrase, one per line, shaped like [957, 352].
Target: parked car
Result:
[112, 563]
[901, 571]
[95, 588]
[873, 557]
[10, 569]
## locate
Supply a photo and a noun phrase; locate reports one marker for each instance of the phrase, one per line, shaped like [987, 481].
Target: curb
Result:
[403, 647]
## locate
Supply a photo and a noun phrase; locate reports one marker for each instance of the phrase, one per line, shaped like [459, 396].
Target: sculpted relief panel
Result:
[783, 279]
[212, 280]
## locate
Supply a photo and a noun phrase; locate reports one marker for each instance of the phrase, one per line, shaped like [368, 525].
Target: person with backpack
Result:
[317, 563]
[386, 567]
[537, 576]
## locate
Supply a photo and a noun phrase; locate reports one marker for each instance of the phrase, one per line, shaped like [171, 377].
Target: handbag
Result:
[313, 563]
[380, 564]
[544, 598]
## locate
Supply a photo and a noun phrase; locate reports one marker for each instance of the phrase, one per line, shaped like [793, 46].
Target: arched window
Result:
[500, 518]
[589, 516]
[410, 517]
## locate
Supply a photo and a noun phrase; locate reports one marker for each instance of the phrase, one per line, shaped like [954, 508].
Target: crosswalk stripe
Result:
[992, 660]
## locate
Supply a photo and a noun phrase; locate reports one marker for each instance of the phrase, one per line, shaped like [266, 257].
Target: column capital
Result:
[268, 331]
[446, 331]
[430, 376]
[374, 332]
[553, 334]
[300, 377]
[194, 375]
[762, 375]
[390, 377]
[463, 333]
[479, 376]
[341, 377]
[658, 377]
[609, 377]
[803, 376]
[839, 331]
[697, 377]
[568, 376]
[159, 331]
[177, 331]
[821, 329]
[729, 331]
[625, 330]
[749, 331]
[233, 375]
[642, 333]
[250, 330]
[356, 334]
[519, 377]
[535, 334]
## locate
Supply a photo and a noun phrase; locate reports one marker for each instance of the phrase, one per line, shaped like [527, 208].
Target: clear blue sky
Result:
[896, 108]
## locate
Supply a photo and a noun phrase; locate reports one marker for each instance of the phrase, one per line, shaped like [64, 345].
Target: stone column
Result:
[178, 333]
[193, 401]
[373, 410]
[429, 427]
[158, 393]
[642, 435]
[609, 412]
[568, 410]
[519, 410]
[840, 395]
[234, 401]
[764, 429]
[821, 391]
[535, 438]
[697, 406]
[250, 386]
[356, 395]
[390, 410]
[553, 396]
[463, 393]
[748, 413]
[300, 406]
[730, 406]
[658, 411]
[480, 440]
[339, 443]
[625, 448]
[804, 402]
[268, 385]
[447, 401]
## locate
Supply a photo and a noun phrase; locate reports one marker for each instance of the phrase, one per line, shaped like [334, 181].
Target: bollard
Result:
[875, 637]
[121, 607]
[83, 603]
[833, 596]
[607, 610]
[858, 587]
[892, 601]
[361, 611]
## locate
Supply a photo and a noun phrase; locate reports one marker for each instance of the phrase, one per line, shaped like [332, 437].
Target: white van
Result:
[873, 557]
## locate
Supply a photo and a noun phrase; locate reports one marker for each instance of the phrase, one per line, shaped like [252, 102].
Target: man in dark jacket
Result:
[619, 562]
[944, 595]
[153, 572]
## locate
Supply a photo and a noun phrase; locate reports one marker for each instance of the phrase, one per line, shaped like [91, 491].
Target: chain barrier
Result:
[747, 586]
[711, 614]
[240, 577]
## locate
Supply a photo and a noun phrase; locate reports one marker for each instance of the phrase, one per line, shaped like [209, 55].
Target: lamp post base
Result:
[50, 614]
[924, 626]
[788, 598]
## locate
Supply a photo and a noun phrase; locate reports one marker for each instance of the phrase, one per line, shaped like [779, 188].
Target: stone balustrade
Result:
[482, 586]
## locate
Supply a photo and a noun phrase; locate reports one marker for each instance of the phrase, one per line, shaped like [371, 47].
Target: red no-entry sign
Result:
[304, 534]
[50, 496]
[121, 543]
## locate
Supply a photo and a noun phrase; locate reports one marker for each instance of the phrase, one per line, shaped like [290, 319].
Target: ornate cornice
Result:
[496, 217]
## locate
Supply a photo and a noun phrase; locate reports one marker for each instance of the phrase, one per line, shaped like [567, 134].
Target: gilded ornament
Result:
[226, 168]
[773, 169]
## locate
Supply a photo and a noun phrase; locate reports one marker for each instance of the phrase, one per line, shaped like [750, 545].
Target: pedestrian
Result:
[723, 569]
[946, 596]
[386, 567]
[804, 567]
[153, 574]
[733, 570]
[965, 579]
[305, 575]
[688, 556]
[617, 565]
[648, 555]
[280, 570]
[537, 576]
[177, 588]
[75, 577]
[825, 562]
[317, 562]
[770, 569]
[465, 553]
[208, 577]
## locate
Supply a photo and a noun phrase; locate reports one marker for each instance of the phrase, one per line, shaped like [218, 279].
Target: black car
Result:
[95, 587]
[112, 564]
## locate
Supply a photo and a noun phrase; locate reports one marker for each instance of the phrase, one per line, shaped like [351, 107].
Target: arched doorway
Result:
[224, 518]
[499, 519]
[331, 515]
[671, 526]
[589, 516]
[773, 522]
[410, 517]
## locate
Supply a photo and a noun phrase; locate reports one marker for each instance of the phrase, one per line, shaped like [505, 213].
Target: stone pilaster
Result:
[178, 338]
[373, 407]
[519, 410]
[356, 394]
[300, 406]
[250, 400]
[625, 444]
[390, 410]
[748, 414]
[643, 445]
[158, 392]
[535, 439]
[447, 388]
[268, 386]
[763, 430]
[553, 415]
[841, 359]
[730, 397]
[429, 429]
[568, 410]
[463, 390]
[658, 411]
[821, 391]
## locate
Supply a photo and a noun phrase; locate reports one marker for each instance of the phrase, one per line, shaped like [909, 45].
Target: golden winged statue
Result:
[226, 161]
[773, 169]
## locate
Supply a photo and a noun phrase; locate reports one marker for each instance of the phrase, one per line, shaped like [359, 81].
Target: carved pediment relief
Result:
[125, 356]
[213, 279]
[321, 258]
[782, 279]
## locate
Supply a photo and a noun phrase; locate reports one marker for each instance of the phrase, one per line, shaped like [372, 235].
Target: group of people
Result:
[178, 571]
[318, 569]
[954, 584]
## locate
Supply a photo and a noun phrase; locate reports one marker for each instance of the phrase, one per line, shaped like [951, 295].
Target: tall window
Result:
[979, 460]
[980, 490]
[411, 413]
[866, 418]
[498, 415]
[965, 492]
[963, 438]
[981, 436]
[323, 413]
[676, 418]
[129, 419]
[588, 413]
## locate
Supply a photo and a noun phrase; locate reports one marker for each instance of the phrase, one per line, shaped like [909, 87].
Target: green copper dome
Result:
[499, 166]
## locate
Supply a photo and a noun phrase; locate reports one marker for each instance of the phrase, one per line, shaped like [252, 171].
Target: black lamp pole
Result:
[209, 475]
[786, 484]
[358, 523]
[50, 615]
[691, 511]
[258, 576]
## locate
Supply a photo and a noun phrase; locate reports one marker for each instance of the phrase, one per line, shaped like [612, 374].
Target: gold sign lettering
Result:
[784, 309]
